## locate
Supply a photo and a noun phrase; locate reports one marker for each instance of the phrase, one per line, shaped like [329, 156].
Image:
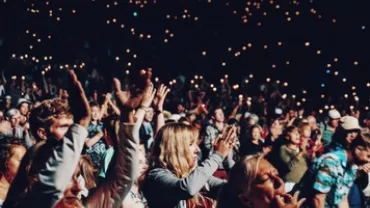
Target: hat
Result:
[334, 114]
[8, 97]
[175, 117]
[22, 100]
[350, 123]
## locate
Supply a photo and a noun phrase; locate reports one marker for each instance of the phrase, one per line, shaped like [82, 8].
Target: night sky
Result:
[318, 46]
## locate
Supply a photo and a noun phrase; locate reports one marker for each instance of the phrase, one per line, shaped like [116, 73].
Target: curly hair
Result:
[44, 114]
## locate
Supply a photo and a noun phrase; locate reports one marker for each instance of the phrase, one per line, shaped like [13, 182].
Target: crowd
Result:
[68, 143]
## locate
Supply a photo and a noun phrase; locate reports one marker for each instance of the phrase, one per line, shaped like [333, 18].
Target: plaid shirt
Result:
[330, 174]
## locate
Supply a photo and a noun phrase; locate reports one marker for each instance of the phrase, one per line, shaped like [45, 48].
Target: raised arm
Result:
[158, 106]
[78, 102]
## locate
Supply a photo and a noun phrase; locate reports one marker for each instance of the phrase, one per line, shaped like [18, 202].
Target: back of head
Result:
[44, 114]
[241, 178]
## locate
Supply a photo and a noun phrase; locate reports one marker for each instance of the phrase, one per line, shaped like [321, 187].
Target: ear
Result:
[245, 200]
[41, 133]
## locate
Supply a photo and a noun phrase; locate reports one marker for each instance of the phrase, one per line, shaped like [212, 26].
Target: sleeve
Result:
[169, 186]
[208, 139]
[289, 161]
[119, 181]
[55, 174]
[215, 185]
[326, 175]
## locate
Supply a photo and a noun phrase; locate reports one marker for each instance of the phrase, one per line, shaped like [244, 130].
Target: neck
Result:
[255, 141]
[293, 146]
[94, 122]
[350, 158]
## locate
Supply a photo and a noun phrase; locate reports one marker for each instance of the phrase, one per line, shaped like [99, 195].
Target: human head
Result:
[175, 148]
[253, 182]
[23, 106]
[52, 118]
[255, 132]
[360, 148]
[180, 108]
[305, 130]
[292, 134]
[149, 114]
[312, 122]
[218, 115]
[334, 117]
[252, 119]
[11, 153]
[95, 111]
[14, 116]
[347, 131]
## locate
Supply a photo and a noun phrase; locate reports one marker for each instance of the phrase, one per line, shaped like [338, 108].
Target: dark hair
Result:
[94, 104]
[315, 133]
[290, 129]
[361, 140]
[340, 135]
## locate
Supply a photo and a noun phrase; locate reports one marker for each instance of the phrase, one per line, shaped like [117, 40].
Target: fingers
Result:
[300, 202]
[295, 196]
[117, 85]
[280, 201]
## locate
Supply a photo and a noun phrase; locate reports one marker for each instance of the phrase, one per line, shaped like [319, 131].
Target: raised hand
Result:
[78, 101]
[148, 96]
[123, 97]
[226, 142]
[160, 97]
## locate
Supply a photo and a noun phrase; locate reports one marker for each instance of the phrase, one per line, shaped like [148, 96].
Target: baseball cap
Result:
[22, 100]
[334, 114]
[350, 123]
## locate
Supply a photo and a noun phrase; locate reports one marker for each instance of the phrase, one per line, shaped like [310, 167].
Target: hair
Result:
[361, 140]
[46, 113]
[88, 171]
[315, 134]
[289, 130]
[13, 112]
[94, 104]
[171, 151]
[340, 135]
[6, 151]
[303, 127]
[241, 179]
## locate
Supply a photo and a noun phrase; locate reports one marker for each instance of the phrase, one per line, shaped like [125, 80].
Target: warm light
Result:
[307, 44]
[344, 80]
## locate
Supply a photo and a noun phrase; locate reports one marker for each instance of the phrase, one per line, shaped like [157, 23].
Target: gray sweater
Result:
[163, 189]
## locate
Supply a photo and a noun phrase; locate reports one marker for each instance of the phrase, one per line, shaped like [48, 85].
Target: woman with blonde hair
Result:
[174, 179]
[255, 183]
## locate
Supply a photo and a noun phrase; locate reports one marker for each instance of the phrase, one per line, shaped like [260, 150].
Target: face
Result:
[292, 114]
[266, 186]
[15, 120]
[95, 113]
[12, 164]
[294, 137]
[149, 115]
[60, 126]
[219, 115]
[312, 122]
[24, 108]
[143, 165]
[351, 135]
[306, 132]
[70, 198]
[180, 108]
[194, 150]
[252, 122]
[334, 123]
[256, 133]
[361, 155]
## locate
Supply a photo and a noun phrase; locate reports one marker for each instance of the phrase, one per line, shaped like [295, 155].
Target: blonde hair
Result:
[171, 151]
[241, 180]
[171, 148]
[88, 171]
[303, 127]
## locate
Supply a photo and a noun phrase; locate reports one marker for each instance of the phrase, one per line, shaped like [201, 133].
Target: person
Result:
[328, 181]
[312, 122]
[315, 147]
[16, 130]
[213, 131]
[11, 153]
[304, 134]
[329, 129]
[174, 178]
[254, 143]
[48, 166]
[24, 109]
[255, 183]
[347, 131]
[147, 128]
[95, 143]
[293, 158]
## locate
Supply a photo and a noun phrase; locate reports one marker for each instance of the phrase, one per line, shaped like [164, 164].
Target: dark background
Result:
[86, 37]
